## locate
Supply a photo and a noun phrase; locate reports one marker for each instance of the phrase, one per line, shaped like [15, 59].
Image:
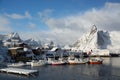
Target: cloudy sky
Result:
[63, 21]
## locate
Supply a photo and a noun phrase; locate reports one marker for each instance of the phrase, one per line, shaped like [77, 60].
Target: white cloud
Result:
[27, 15]
[68, 29]
[107, 17]
[58, 36]
[45, 14]
[5, 24]
[32, 25]
[19, 16]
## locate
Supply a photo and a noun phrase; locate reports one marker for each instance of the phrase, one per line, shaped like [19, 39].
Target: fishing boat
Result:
[73, 60]
[38, 63]
[19, 64]
[95, 61]
[57, 62]
[49, 61]
[60, 61]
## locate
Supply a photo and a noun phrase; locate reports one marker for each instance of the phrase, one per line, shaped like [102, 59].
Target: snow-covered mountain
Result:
[98, 39]
[9, 40]
[33, 43]
[93, 39]
[12, 39]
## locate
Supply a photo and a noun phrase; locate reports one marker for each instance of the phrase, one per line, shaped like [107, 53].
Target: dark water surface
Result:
[109, 70]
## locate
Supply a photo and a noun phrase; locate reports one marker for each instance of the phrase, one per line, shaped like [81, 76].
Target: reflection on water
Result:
[109, 70]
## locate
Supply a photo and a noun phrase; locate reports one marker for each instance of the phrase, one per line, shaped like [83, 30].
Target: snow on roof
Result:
[67, 47]
[54, 48]
[15, 48]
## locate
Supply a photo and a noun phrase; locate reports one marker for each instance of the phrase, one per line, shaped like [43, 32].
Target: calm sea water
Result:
[109, 70]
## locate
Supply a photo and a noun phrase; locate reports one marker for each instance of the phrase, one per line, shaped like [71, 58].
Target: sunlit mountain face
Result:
[98, 39]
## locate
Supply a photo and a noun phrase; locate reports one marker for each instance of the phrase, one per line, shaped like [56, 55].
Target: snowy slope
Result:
[87, 41]
[33, 43]
[98, 39]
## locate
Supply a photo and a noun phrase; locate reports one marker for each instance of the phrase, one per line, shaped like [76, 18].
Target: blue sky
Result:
[60, 8]
[60, 17]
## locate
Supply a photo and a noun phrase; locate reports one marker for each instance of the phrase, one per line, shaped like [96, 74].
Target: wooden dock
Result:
[19, 71]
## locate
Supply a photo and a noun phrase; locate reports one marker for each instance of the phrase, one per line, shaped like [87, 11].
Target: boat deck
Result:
[19, 71]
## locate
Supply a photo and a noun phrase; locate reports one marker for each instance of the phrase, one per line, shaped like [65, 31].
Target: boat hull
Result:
[38, 63]
[75, 63]
[92, 62]
[15, 65]
[58, 63]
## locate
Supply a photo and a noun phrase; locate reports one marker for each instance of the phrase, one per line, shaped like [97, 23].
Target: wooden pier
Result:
[26, 72]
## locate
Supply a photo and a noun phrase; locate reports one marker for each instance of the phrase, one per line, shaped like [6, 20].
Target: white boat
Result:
[19, 64]
[60, 61]
[28, 63]
[38, 63]
[57, 62]
[73, 60]
[49, 60]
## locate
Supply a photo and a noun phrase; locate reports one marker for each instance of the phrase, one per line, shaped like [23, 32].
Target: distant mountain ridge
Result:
[93, 39]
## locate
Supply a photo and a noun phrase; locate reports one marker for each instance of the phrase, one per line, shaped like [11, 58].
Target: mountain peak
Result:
[93, 29]
[94, 39]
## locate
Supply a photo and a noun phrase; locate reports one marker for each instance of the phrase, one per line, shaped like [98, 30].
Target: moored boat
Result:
[49, 61]
[19, 64]
[38, 63]
[95, 61]
[60, 61]
[57, 62]
[76, 60]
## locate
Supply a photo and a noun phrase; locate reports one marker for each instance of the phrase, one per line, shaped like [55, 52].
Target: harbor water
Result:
[109, 70]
